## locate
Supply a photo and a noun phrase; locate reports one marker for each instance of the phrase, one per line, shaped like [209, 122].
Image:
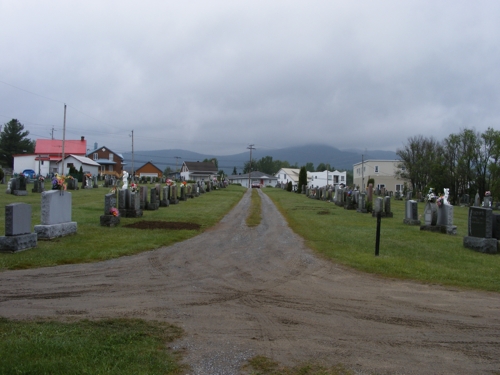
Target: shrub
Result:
[290, 186]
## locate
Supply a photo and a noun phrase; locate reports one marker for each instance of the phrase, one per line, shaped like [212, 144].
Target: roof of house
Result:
[54, 146]
[200, 167]
[107, 148]
[82, 159]
[138, 169]
[254, 174]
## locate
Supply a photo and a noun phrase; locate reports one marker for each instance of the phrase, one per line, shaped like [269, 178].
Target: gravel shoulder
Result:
[239, 292]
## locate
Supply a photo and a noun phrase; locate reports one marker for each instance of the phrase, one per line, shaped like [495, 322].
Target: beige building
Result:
[382, 171]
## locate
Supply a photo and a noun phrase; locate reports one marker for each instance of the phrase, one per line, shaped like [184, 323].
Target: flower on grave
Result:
[88, 175]
[169, 182]
[58, 182]
[114, 211]
[487, 193]
[184, 183]
[440, 201]
[133, 187]
[113, 190]
[41, 178]
[70, 177]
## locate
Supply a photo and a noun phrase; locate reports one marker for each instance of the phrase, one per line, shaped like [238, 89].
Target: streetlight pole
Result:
[250, 165]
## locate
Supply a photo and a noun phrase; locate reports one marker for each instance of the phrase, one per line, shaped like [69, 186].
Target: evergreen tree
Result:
[13, 140]
[302, 179]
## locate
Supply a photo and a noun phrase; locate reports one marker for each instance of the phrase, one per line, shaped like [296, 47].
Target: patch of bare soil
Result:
[158, 224]
[239, 292]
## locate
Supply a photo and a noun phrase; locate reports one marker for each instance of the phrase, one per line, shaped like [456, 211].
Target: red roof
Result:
[54, 147]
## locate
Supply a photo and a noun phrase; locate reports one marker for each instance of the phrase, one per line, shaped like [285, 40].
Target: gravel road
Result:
[239, 292]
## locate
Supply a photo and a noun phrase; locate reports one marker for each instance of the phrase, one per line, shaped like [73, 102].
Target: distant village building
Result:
[149, 170]
[256, 177]
[111, 163]
[48, 153]
[382, 171]
[198, 171]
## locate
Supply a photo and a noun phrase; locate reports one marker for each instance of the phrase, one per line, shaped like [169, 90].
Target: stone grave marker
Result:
[411, 213]
[480, 231]
[18, 186]
[18, 235]
[143, 196]
[173, 195]
[111, 217]
[154, 201]
[56, 215]
[129, 203]
[362, 203]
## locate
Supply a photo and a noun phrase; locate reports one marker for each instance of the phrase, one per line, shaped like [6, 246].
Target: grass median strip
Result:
[113, 346]
[255, 215]
[348, 237]
[96, 243]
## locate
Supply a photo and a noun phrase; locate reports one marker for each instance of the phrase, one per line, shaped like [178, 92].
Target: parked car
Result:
[29, 173]
[255, 185]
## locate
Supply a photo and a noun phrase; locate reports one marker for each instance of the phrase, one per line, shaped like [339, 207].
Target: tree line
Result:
[466, 163]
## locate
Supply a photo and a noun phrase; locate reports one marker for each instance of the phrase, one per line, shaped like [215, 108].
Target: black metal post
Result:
[377, 241]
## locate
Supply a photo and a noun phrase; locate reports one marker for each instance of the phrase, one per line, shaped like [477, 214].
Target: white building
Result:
[284, 175]
[326, 177]
[382, 171]
[260, 178]
[88, 165]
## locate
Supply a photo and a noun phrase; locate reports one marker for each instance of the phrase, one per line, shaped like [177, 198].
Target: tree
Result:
[322, 167]
[235, 172]
[167, 171]
[309, 167]
[249, 168]
[302, 179]
[213, 160]
[13, 140]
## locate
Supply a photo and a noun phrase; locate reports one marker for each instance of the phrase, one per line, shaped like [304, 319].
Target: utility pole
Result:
[362, 173]
[64, 136]
[176, 159]
[250, 165]
[133, 171]
[52, 133]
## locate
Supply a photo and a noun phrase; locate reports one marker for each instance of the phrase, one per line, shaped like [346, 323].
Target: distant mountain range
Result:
[314, 153]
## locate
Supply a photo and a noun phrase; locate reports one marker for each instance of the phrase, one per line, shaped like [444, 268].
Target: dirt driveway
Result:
[239, 292]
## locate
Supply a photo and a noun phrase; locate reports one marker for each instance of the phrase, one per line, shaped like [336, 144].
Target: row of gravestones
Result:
[133, 203]
[483, 224]
[55, 222]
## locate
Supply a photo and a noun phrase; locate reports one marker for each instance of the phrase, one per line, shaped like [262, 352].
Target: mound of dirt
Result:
[163, 225]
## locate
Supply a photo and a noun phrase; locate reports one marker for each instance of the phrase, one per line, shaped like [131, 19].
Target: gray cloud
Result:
[216, 76]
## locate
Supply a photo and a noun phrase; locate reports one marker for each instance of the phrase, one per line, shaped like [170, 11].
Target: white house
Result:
[284, 175]
[31, 161]
[261, 178]
[198, 171]
[327, 178]
[382, 171]
[88, 165]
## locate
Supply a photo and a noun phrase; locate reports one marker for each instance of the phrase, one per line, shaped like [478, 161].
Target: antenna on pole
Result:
[64, 136]
[250, 165]
[176, 158]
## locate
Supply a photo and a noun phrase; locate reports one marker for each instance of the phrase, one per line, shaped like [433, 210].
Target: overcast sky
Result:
[216, 76]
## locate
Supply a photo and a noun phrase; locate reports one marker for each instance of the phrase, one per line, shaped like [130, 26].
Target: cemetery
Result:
[92, 210]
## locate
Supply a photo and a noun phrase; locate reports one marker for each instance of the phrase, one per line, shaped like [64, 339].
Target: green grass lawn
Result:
[113, 346]
[348, 237]
[95, 243]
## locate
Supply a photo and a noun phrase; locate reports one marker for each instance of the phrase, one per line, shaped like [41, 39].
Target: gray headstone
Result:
[477, 200]
[445, 215]
[430, 214]
[56, 207]
[387, 205]
[122, 200]
[480, 222]
[378, 205]
[17, 219]
[109, 202]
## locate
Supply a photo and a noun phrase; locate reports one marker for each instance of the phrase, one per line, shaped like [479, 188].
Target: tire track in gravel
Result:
[239, 292]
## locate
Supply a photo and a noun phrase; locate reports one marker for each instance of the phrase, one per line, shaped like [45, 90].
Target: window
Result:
[69, 165]
[399, 187]
[376, 169]
[96, 156]
[341, 178]
[315, 177]
[110, 156]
